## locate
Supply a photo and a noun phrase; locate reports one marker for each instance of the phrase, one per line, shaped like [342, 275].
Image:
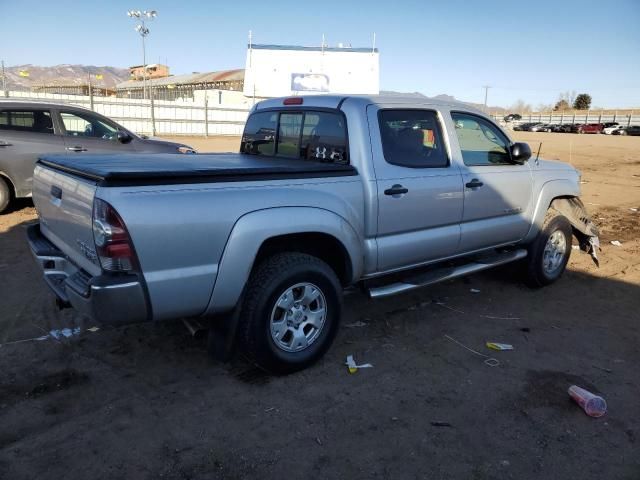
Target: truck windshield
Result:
[306, 135]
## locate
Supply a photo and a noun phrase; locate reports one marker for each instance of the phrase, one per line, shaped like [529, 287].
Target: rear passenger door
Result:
[419, 189]
[497, 191]
[25, 134]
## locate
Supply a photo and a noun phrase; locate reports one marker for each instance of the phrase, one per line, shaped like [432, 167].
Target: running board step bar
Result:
[447, 273]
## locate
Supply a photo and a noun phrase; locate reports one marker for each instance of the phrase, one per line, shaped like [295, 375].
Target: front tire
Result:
[290, 312]
[5, 195]
[550, 251]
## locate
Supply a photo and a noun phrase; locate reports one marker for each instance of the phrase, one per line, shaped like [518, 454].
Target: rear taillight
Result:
[112, 240]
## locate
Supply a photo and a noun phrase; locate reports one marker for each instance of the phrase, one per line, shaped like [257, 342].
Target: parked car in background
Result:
[261, 244]
[523, 127]
[630, 130]
[557, 128]
[540, 127]
[609, 124]
[512, 117]
[574, 127]
[30, 129]
[590, 128]
[611, 129]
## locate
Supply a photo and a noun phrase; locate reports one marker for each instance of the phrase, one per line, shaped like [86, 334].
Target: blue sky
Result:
[529, 50]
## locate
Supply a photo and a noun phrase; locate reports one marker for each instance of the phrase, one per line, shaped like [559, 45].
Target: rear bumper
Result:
[107, 299]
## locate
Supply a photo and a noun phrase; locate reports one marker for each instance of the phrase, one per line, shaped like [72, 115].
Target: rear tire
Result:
[550, 251]
[290, 312]
[5, 195]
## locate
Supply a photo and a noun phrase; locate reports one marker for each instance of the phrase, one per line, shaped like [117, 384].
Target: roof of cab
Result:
[333, 101]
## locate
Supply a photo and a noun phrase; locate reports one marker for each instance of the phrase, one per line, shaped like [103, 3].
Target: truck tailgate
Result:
[65, 205]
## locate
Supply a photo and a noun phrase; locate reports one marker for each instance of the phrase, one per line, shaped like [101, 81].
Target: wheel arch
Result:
[10, 183]
[550, 191]
[258, 234]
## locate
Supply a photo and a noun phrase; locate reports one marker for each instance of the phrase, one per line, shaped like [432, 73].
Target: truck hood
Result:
[552, 165]
[153, 144]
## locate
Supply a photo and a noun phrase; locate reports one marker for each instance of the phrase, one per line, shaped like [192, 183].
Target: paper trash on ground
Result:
[616, 243]
[353, 366]
[499, 346]
[356, 324]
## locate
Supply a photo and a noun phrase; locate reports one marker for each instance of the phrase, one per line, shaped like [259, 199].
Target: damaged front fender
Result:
[583, 227]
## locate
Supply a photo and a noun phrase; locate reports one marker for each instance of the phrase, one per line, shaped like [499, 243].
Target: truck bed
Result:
[158, 169]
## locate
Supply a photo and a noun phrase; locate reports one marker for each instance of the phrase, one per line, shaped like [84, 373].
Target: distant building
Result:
[154, 70]
[183, 86]
[74, 89]
[282, 70]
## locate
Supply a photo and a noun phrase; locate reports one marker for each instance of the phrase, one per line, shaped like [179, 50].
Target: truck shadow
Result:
[146, 382]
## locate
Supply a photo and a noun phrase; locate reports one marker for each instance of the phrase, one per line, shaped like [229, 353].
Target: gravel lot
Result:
[145, 401]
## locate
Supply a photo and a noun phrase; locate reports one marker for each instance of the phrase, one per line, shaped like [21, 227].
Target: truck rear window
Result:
[307, 135]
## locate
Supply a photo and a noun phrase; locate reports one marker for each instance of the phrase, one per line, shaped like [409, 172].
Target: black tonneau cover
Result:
[158, 169]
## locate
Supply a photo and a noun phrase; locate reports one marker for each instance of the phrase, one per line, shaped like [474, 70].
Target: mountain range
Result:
[26, 76]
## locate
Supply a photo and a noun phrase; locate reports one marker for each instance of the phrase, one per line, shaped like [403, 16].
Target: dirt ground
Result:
[145, 401]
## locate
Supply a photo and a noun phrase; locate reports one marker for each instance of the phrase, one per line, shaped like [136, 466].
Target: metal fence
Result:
[627, 117]
[154, 117]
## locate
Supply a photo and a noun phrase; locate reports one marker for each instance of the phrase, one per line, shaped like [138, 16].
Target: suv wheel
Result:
[550, 251]
[290, 312]
[5, 195]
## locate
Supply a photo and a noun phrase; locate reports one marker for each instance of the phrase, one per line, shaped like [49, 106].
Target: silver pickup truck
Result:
[389, 194]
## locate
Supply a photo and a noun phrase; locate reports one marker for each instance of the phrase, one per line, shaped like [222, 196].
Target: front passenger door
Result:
[84, 132]
[497, 192]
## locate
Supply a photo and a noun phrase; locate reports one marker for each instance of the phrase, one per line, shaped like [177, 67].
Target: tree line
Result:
[566, 101]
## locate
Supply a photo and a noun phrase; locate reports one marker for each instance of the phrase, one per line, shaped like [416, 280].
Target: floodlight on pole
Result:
[142, 29]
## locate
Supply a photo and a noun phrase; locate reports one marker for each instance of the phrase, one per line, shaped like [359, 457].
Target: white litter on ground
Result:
[353, 366]
[616, 243]
[56, 334]
[357, 324]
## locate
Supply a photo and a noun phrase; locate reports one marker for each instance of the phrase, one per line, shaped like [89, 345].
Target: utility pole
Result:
[486, 94]
[142, 29]
[4, 81]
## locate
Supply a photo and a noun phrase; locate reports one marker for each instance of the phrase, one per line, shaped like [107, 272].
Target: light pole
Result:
[141, 28]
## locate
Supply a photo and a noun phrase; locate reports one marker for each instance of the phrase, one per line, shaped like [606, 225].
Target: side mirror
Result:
[520, 152]
[123, 137]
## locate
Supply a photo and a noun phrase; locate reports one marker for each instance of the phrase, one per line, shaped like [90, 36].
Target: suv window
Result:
[306, 135]
[34, 121]
[86, 125]
[481, 142]
[412, 138]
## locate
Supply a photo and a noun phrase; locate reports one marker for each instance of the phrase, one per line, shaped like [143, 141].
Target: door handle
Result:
[396, 189]
[56, 192]
[475, 183]
[76, 149]
[4, 144]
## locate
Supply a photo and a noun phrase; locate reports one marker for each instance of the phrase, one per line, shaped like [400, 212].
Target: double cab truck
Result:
[387, 194]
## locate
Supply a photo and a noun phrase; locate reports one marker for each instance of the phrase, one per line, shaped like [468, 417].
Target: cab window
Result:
[481, 142]
[259, 137]
[305, 135]
[412, 138]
